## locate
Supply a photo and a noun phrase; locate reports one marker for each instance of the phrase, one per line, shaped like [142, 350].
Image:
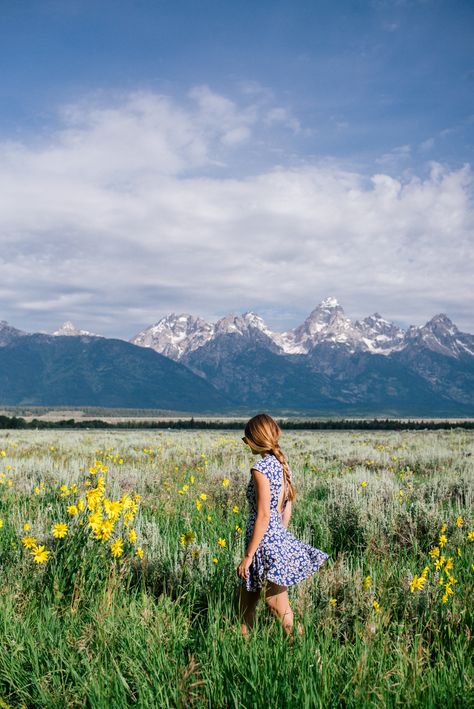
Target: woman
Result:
[274, 558]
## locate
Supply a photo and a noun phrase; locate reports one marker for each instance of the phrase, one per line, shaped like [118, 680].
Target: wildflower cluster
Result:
[443, 564]
[107, 516]
[102, 516]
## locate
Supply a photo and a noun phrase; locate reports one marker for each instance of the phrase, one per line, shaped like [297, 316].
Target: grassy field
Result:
[118, 556]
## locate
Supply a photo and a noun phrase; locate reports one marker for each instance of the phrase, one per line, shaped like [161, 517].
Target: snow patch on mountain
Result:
[67, 328]
[175, 335]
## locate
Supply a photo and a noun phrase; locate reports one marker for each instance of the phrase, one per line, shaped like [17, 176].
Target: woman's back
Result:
[271, 467]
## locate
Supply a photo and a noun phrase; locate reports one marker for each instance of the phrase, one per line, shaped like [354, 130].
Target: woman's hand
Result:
[243, 567]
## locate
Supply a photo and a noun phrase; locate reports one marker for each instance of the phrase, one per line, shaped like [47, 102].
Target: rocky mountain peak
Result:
[175, 334]
[241, 324]
[67, 328]
[441, 335]
[327, 319]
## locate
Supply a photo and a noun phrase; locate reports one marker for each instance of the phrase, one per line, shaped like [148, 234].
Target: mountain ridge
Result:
[328, 364]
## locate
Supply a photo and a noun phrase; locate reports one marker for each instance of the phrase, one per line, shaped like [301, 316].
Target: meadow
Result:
[118, 556]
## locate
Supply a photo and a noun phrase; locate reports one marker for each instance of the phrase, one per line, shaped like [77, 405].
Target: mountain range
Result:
[327, 365]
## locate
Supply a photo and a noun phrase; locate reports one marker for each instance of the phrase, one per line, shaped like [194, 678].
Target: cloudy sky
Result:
[217, 157]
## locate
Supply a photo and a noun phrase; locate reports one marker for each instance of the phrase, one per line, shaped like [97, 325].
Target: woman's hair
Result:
[264, 432]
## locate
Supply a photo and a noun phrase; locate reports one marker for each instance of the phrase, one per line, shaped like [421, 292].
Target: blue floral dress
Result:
[280, 556]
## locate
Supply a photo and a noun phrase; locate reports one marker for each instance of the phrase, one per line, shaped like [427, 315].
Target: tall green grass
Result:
[86, 629]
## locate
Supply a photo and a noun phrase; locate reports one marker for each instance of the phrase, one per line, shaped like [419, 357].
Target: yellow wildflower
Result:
[112, 508]
[198, 504]
[238, 529]
[139, 552]
[203, 496]
[215, 559]
[434, 553]
[72, 510]
[29, 542]
[59, 530]
[117, 547]
[221, 542]
[225, 482]
[442, 540]
[209, 517]
[1, 522]
[105, 529]
[39, 554]
[132, 536]
[470, 536]
[367, 582]
[459, 521]
[376, 606]
[448, 591]
[95, 521]
[363, 483]
[235, 509]
[26, 526]
[126, 501]
[332, 601]
[417, 583]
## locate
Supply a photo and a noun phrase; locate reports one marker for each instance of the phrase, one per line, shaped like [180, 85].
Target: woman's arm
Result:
[262, 492]
[285, 517]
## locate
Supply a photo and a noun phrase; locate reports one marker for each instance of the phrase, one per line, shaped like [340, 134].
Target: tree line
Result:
[17, 422]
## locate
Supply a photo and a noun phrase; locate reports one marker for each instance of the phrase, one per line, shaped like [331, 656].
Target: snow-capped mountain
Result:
[441, 335]
[379, 335]
[67, 328]
[175, 336]
[328, 364]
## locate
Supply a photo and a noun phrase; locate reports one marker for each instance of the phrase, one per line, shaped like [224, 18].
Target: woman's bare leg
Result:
[276, 598]
[247, 605]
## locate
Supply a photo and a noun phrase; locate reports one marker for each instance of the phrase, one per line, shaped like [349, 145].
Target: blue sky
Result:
[216, 157]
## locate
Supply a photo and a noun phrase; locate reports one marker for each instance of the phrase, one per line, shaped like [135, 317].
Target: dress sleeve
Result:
[261, 465]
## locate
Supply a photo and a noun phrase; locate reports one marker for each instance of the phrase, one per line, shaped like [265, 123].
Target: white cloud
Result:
[122, 216]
